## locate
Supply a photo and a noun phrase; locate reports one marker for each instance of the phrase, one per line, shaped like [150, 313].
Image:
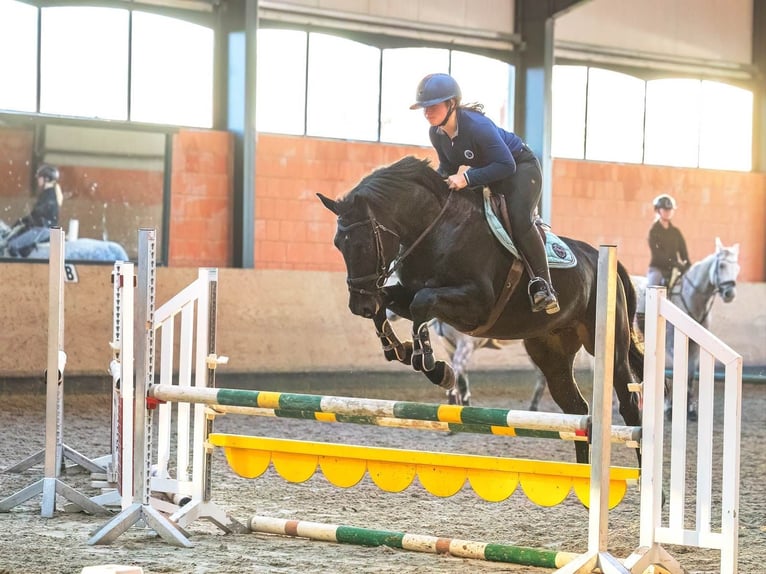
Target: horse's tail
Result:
[636, 351]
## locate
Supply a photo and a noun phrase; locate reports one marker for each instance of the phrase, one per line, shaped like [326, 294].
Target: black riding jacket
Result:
[45, 213]
[668, 248]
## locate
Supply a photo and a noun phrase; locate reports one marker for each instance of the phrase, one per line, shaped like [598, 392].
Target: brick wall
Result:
[201, 210]
[601, 203]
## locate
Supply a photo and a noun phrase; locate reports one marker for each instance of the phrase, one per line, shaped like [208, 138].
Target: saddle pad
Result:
[559, 254]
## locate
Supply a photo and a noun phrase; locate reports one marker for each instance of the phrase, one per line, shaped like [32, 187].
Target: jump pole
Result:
[413, 542]
[55, 450]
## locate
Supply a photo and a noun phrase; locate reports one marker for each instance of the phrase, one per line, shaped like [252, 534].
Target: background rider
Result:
[35, 227]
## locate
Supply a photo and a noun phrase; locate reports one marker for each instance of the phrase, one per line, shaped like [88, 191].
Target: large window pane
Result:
[84, 55]
[172, 81]
[487, 81]
[726, 127]
[570, 84]
[281, 84]
[672, 122]
[343, 88]
[403, 68]
[615, 121]
[18, 56]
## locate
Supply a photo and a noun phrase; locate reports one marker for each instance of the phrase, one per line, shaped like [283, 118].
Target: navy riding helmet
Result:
[434, 89]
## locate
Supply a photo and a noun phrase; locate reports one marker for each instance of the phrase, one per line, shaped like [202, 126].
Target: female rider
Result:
[474, 152]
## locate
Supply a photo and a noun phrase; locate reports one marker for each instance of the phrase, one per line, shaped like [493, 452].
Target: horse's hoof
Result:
[442, 375]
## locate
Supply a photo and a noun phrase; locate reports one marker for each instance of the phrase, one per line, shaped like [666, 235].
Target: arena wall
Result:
[269, 321]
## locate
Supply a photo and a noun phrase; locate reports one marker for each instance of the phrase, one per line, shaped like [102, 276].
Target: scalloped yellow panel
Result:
[493, 485]
[246, 462]
[342, 472]
[391, 476]
[545, 489]
[294, 467]
[441, 480]
[617, 490]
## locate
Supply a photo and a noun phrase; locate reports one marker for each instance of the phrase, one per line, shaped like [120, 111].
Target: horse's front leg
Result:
[460, 306]
[438, 372]
[393, 348]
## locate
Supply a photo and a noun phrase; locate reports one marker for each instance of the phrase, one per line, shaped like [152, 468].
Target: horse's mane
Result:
[381, 185]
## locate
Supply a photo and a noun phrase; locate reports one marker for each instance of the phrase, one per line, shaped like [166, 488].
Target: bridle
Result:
[719, 287]
[383, 269]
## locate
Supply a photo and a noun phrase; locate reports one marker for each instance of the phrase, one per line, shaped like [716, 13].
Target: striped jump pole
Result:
[414, 542]
[361, 407]
[629, 436]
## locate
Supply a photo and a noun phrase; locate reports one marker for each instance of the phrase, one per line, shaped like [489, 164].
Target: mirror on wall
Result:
[111, 182]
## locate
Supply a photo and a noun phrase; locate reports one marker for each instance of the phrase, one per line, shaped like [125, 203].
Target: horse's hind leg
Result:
[554, 356]
[537, 393]
[461, 393]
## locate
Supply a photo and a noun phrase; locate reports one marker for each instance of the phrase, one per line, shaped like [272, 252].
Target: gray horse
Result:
[82, 249]
[694, 292]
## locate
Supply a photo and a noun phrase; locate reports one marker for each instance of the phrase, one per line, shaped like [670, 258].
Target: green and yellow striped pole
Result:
[414, 542]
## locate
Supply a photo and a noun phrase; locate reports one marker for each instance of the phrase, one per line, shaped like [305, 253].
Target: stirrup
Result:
[542, 297]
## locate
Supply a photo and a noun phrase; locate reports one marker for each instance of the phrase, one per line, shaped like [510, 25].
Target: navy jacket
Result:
[488, 149]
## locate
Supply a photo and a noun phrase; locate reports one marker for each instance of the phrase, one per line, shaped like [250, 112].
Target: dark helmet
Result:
[436, 88]
[48, 172]
[664, 201]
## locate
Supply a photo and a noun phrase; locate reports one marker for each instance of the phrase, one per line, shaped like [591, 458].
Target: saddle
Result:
[559, 255]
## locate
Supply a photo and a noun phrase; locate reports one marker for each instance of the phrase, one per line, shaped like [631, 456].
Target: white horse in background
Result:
[81, 249]
[694, 292]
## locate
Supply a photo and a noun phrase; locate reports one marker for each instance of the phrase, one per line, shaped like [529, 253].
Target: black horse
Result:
[403, 219]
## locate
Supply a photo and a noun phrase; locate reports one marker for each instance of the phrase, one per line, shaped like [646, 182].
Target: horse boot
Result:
[541, 294]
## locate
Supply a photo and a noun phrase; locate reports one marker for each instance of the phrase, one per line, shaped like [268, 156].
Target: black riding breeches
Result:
[522, 192]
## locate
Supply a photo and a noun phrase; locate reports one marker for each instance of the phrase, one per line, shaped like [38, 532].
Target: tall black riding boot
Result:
[541, 293]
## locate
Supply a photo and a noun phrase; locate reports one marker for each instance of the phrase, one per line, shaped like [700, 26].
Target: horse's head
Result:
[368, 248]
[392, 209]
[724, 271]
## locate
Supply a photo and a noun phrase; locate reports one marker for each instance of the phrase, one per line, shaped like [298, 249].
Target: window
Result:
[18, 37]
[726, 131]
[343, 88]
[570, 84]
[84, 62]
[172, 69]
[680, 122]
[280, 98]
[673, 122]
[402, 69]
[615, 117]
[487, 81]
